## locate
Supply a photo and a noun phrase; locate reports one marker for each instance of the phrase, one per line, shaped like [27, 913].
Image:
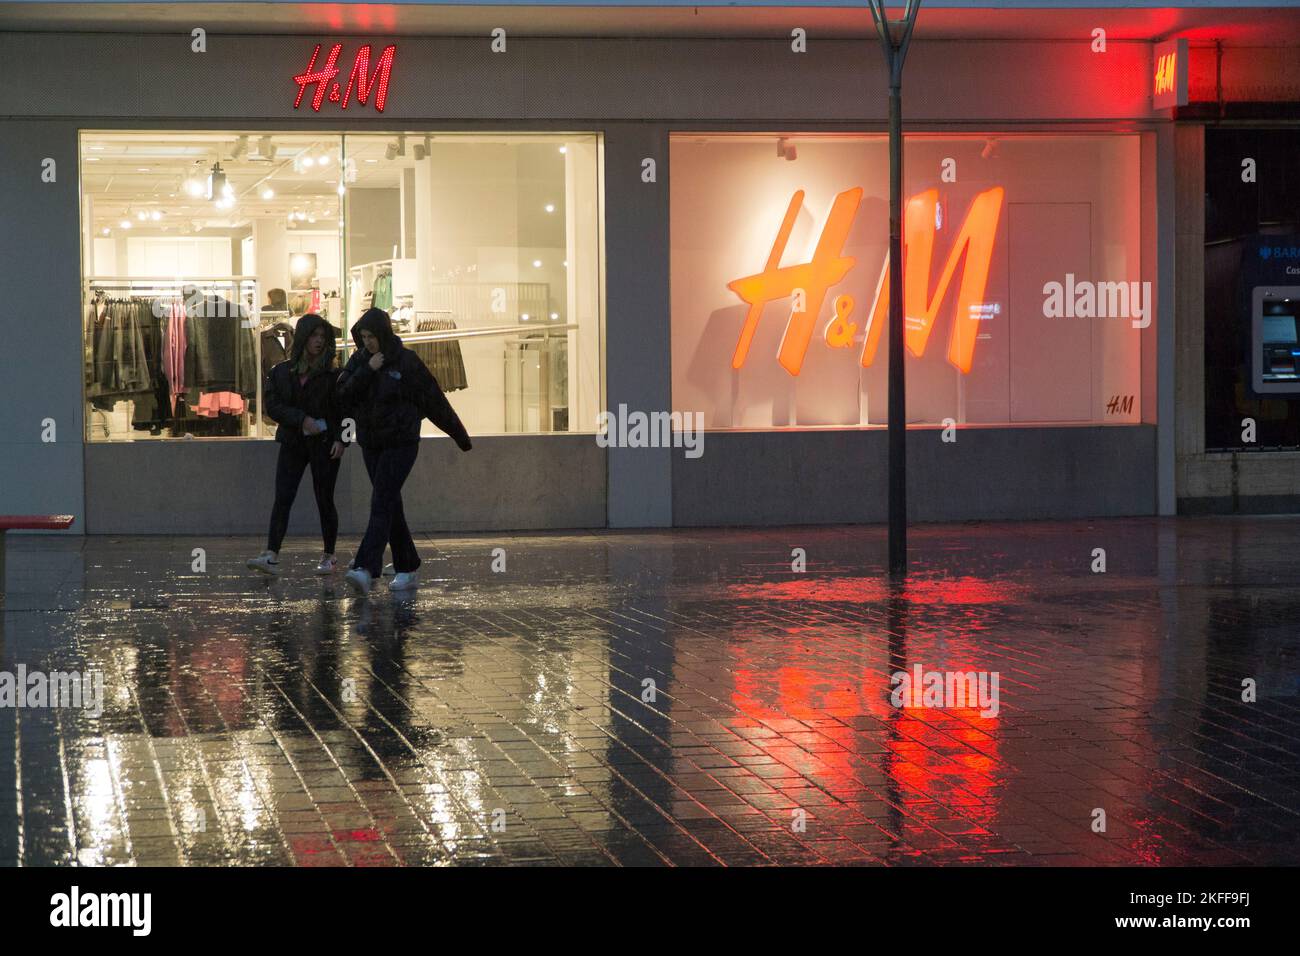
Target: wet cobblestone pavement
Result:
[505, 717]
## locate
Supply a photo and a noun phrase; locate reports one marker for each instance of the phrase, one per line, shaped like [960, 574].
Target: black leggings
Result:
[293, 461]
[388, 469]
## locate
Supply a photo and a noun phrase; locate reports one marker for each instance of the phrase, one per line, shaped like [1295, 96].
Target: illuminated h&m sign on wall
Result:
[362, 79]
[1169, 79]
[807, 284]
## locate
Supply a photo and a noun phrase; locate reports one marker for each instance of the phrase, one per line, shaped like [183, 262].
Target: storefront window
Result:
[202, 249]
[1024, 291]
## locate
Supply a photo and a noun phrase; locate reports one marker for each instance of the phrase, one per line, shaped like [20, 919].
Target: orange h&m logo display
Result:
[1166, 73]
[807, 284]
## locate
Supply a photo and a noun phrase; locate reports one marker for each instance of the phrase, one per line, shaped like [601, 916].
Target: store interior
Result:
[202, 249]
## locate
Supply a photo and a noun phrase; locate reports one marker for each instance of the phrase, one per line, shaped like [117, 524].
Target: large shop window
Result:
[202, 249]
[1024, 292]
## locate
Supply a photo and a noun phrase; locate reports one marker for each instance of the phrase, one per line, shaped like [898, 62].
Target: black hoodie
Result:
[389, 404]
[289, 402]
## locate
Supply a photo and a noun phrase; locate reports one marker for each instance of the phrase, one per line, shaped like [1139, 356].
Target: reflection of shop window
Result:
[780, 279]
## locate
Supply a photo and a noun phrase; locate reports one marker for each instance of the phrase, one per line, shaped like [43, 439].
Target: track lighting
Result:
[216, 183]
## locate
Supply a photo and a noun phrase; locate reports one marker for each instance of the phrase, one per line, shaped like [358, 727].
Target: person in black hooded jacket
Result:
[300, 395]
[389, 391]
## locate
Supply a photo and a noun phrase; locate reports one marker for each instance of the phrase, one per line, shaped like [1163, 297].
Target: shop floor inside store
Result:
[1113, 692]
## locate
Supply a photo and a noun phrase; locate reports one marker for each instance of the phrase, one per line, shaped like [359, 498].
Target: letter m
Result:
[378, 80]
[975, 240]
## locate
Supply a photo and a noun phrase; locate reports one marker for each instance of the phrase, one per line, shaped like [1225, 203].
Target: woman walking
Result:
[300, 395]
[389, 391]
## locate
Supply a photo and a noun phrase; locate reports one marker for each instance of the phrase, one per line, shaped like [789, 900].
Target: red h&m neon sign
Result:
[360, 78]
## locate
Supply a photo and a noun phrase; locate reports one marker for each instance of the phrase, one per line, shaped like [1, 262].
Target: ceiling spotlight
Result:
[550, 207]
[554, 316]
[142, 215]
[390, 151]
[195, 187]
[155, 215]
[216, 182]
[537, 263]
[424, 148]
[241, 147]
[125, 223]
[106, 230]
[564, 149]
[990, 149]
[786, 150]
[308, 162]
[324, 161]
[268, 193]
[266, 148]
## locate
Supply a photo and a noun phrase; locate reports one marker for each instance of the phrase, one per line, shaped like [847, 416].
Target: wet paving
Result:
[685, 697]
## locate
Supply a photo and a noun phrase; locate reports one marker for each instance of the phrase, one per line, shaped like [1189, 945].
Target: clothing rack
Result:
[240, 289]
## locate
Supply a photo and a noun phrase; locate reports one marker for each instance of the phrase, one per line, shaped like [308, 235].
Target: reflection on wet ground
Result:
[676, 697]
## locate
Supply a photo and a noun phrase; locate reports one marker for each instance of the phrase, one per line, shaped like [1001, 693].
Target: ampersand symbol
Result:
[335, 93]
[839, 330]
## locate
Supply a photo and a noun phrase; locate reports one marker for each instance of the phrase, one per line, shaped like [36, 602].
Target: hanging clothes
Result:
[442, 357]
[221, 354]
[383, 292]
[276, 340]
[212, 404]
[174, 347]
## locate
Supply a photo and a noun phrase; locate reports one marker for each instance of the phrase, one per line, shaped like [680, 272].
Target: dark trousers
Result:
[293, 461]
[388, 468]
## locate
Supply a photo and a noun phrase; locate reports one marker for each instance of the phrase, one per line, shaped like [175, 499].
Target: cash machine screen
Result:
[1281, 349]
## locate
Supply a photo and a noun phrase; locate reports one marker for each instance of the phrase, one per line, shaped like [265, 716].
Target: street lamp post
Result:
[895, 36]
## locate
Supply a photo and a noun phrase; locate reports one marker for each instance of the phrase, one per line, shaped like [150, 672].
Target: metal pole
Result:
[897, 383]
[895, 50]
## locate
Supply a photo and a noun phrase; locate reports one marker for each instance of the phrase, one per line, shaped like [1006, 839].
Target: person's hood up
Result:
[308, 324]
[378, 324]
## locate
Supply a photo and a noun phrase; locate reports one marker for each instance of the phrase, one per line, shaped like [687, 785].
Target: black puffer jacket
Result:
[288, 402]
[389, 404]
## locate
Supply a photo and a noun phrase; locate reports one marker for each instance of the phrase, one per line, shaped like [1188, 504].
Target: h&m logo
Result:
[359, 79]
[1166, 73]
[808, 283]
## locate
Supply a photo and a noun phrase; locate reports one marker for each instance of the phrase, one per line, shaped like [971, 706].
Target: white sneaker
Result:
[266, 563]
[359, 578]
[405, 581]
[327, 565]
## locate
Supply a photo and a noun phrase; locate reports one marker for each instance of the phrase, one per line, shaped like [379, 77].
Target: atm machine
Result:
[1275, 340]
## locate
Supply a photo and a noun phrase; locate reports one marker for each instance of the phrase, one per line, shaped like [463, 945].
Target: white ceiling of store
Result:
[129, 175]
[1257, 26]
